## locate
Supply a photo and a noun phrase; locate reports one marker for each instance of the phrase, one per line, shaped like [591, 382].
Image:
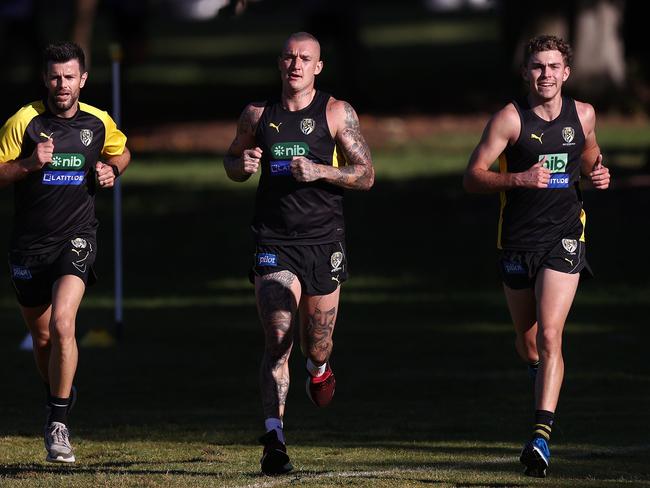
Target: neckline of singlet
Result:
[304, 109]
[528, 107]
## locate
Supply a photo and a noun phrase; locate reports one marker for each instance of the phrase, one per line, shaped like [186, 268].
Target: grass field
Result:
[430, 391]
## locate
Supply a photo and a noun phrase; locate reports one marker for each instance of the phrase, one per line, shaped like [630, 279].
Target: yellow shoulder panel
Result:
[115, 140]
[12, 133]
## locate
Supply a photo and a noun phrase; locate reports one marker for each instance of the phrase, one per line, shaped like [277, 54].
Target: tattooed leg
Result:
[317, 320]
[277, 297]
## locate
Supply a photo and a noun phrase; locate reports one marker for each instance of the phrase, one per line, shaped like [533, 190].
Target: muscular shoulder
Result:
[341, 115]
[506, 123]
[251, 114]
[587, 116]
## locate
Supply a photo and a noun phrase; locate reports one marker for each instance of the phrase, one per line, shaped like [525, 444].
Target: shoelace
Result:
[60, 435]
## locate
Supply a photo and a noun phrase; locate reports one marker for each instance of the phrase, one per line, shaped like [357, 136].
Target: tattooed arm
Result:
[358, 173]
[243, 157]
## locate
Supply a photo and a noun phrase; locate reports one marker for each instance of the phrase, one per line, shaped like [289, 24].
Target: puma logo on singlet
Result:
[538, 137]
[276, 127]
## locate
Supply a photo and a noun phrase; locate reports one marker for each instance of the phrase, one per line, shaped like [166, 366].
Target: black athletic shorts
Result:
[33, 275]
[518, 269]
[319, 267]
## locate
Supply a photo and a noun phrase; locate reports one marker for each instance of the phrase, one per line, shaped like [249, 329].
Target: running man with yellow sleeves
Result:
[56, 152]
[544, 143]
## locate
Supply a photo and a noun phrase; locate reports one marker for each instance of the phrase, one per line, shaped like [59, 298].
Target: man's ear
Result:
[84, 77]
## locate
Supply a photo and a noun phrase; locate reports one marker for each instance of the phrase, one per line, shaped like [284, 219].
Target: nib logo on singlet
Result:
[67, 161]
[557, 164]
[62, 170]
[282, 152]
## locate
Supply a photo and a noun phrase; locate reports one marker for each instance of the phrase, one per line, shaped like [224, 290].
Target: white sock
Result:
[275, 424]
[314, 370]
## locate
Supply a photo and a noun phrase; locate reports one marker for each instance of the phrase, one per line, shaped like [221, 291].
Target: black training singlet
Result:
[57, 201]
[288, 211]
[537, 219]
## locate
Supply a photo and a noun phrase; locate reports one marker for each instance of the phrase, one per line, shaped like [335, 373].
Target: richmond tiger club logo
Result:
[335, 260]
[570, 245]
[568, 134]
[307, 126]
[82, 249]
[86, 136]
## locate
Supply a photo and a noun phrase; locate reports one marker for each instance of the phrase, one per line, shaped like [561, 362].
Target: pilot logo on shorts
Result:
[307, 126]
[570, 245]
[267, 259]
[568, 134]
[335, 260]
[20, 272]
[513, 267]
[86, 136]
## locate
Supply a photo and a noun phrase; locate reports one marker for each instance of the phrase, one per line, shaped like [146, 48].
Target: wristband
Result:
[116, 172]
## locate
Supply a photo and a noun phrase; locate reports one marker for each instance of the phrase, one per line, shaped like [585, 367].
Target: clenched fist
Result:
[305, 170]
[105, 174]
[42, 155]
[536, 177]
[250, 160]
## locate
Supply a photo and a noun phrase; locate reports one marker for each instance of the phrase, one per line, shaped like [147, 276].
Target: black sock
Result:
[532, 370]
[543, 424]
[58, 409]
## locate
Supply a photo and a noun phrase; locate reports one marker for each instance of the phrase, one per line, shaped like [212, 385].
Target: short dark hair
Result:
[548, 43]
[301, 36]
[61, 52]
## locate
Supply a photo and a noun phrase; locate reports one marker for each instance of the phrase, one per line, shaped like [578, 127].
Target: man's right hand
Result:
[536, 177]
[251, 160]
[42, 155]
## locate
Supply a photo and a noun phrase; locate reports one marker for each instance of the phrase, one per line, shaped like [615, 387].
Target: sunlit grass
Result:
[390, 464]
[445, 152]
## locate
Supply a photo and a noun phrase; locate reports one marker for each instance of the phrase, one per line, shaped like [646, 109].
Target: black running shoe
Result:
[274, 458]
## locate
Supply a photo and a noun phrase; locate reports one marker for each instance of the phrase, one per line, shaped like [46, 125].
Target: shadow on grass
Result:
[426, 309]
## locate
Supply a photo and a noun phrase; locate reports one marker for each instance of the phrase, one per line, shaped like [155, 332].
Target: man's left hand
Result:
[105, 175]
[599, 176]
[305, 170]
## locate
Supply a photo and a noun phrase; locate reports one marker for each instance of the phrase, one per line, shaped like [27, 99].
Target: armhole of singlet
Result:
[521, 122]
[577, 117]
[267, 104]
[327, 123]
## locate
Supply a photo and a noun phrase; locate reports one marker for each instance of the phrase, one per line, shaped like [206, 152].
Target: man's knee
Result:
[62, 328]
[527, 349]
[550, 341]
[41, 339]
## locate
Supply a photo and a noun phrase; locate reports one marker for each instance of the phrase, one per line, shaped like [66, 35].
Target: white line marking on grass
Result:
[306, 475]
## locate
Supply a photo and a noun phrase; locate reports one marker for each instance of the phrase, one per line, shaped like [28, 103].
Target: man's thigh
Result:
[554, 291]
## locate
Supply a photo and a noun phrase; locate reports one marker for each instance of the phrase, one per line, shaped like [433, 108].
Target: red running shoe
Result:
[275, 459]
[320, 390]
